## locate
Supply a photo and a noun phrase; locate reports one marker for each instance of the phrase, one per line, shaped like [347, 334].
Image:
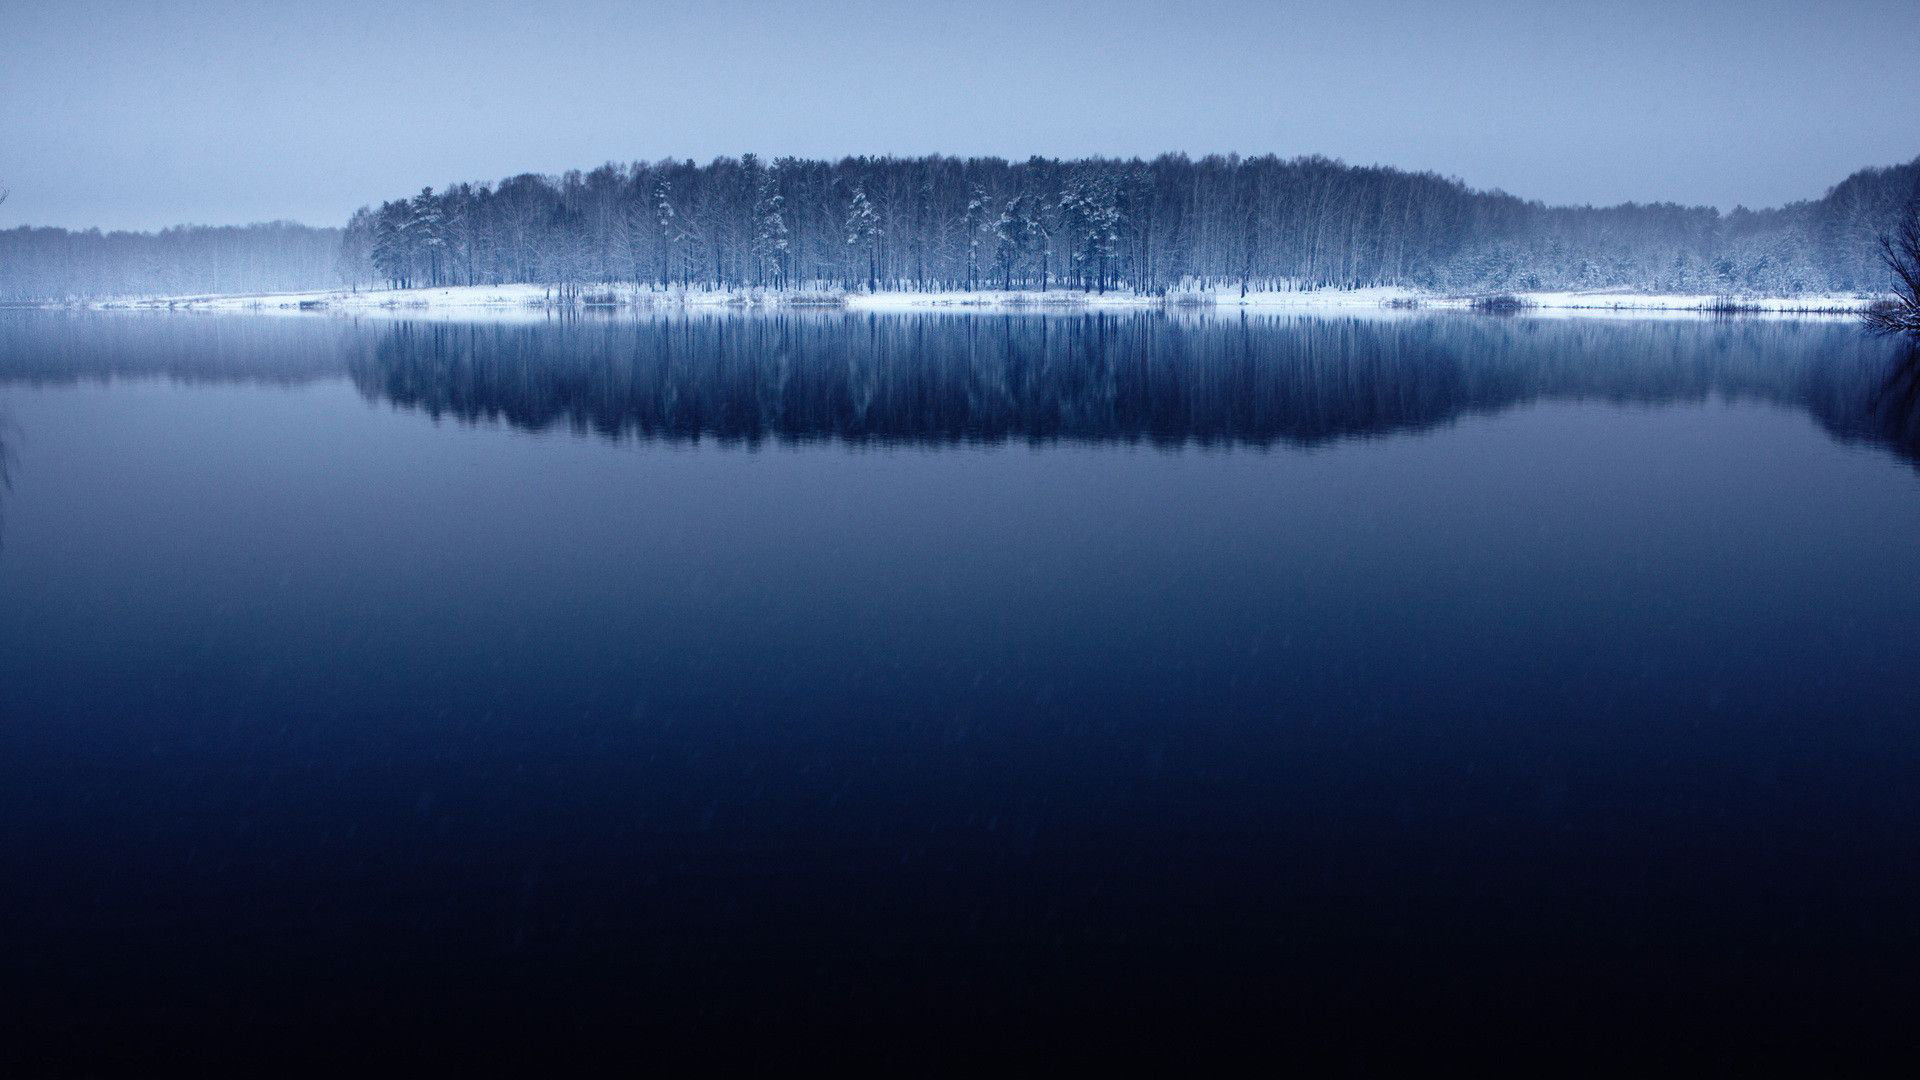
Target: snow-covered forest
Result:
[942, 223]
[1258, 223]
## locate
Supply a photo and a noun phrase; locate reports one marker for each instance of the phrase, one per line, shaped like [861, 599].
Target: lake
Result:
[931, 685]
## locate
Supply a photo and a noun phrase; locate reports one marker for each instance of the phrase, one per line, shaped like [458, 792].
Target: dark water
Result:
[917, 689]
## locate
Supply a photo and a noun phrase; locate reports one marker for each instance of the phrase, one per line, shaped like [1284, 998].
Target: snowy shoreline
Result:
[510, 301]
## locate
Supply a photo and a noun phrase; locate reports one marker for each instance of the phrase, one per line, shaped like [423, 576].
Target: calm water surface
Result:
[916, 686]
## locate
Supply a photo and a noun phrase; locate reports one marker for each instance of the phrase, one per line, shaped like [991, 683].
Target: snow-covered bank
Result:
[510, 301]
[511, 298]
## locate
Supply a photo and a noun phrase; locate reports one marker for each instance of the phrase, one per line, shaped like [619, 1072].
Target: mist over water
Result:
[1134, 681]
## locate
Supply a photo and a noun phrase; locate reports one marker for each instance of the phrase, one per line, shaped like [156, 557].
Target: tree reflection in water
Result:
[934, 379]
[1115, 378]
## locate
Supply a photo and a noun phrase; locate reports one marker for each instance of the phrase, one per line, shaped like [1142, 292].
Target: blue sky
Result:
[149, 114]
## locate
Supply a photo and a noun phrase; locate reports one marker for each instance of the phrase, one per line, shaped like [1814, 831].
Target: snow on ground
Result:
[534, 301]
[1814, 303]
[510, 298]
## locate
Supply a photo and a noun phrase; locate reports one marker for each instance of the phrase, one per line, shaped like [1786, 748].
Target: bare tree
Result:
[1901, 251]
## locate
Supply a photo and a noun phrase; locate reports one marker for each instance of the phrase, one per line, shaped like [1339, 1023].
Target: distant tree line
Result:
[61, 264]
[949, 223]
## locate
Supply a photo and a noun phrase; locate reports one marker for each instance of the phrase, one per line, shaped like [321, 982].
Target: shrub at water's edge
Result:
[1901, 251]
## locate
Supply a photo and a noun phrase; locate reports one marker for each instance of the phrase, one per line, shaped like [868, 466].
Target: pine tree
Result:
[391, 248]
[863, 230]
[975, 223]
[1017, 233]
[427, 238]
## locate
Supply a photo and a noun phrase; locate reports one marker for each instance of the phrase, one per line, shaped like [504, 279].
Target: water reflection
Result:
[1102, 378]
[1891, 413]
[55, 348]
[294, 682]
[942, 379]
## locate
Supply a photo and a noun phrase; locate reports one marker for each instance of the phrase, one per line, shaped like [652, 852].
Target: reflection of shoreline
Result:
[940, 379]
[58, 348]
[1103, 378]
[1892, 417]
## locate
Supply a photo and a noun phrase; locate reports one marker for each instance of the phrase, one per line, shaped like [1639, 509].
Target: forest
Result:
[1258, 223]
[1162, 226]
[40, 264]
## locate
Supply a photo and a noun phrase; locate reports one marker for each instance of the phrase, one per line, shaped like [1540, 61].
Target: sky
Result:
[148, 114]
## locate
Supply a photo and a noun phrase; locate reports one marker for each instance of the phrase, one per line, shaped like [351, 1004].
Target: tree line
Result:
[942, 223]
[40, 264]
[1256, 223]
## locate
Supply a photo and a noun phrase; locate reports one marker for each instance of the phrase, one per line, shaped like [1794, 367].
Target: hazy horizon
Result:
[215, 114]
